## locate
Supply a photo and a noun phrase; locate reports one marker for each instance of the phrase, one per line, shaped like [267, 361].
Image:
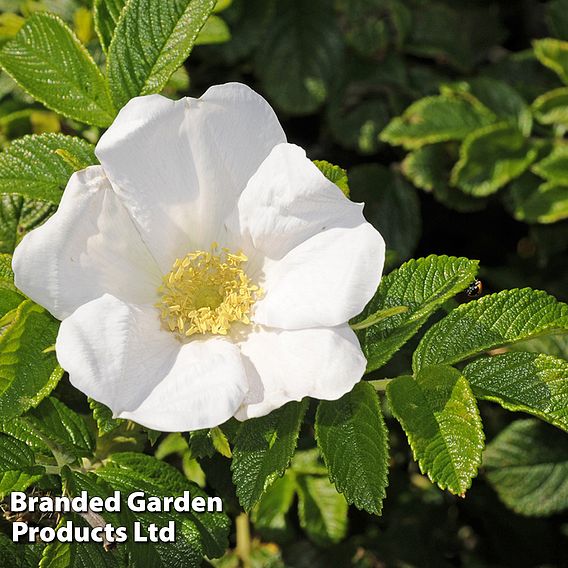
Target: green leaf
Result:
[20, 429]
[308, 462]
[31, 167]
[130, 472]
[215, 30]
[137, 555]
[151, 40]
[353, 440]
[103, 417]
[490, 158]
[173, 443]
[501, 99]
[439, 415]
[423, 285]
[429, 169]
[554, 54]
[436, 119]
[6, 272]
[10, 297]
[322, 510]
[304, 39]
[18, 469]
[554, 167]
[200, 443]
[527, 464]
[492, 321]
[106, 14]
[263, 449]
[334, 174]
[270, 512]
[48, 61]
[61, 428]
[555, 345]
[220, 442]
[535, 202]
[77, 554]
[18, 216]
[552, 107]
[27, 373]
[391, 205]
[15, 555]
[527, 382]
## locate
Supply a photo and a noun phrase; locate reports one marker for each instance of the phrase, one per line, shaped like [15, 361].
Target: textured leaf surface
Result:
[30, 166]
[20, 429]
[440, 417]
[436, 119]
[554, 54]
[322, 510]
[103, 417]
[303, 39]
[334, 174]
[15, 555]
[63, 427]
[203, 533]
[18, 216]
[106, 14]
[27, 374]
[527, 464]
[151, 40]
[77, 554]
[263, 449]
[490, 158]
[48, 61]
[17, 466]
[353, 440]
[491, 321]
[10, 297]
[526, 382]
[422, 285]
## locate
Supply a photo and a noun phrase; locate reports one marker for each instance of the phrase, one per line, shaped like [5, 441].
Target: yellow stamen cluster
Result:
[206, 292]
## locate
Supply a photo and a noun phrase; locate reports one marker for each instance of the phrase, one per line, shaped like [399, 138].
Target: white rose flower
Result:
[206, 269]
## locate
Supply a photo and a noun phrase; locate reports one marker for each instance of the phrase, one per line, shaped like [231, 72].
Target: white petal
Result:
[323, 363]
[325, 281]
[118, 354]
[316, 257]
[289, 200]
[88, 247]
[179, 167]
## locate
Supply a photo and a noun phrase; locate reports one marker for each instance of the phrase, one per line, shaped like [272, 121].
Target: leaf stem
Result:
[243, 539]
[380, 384]
[379, 316]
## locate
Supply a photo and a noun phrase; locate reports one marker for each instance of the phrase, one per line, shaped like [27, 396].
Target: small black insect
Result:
[474, 289]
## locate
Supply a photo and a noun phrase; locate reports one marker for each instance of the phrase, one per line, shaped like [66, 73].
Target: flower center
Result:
[206, 292]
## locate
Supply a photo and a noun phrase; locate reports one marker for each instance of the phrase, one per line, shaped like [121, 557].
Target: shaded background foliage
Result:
[337, 73]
